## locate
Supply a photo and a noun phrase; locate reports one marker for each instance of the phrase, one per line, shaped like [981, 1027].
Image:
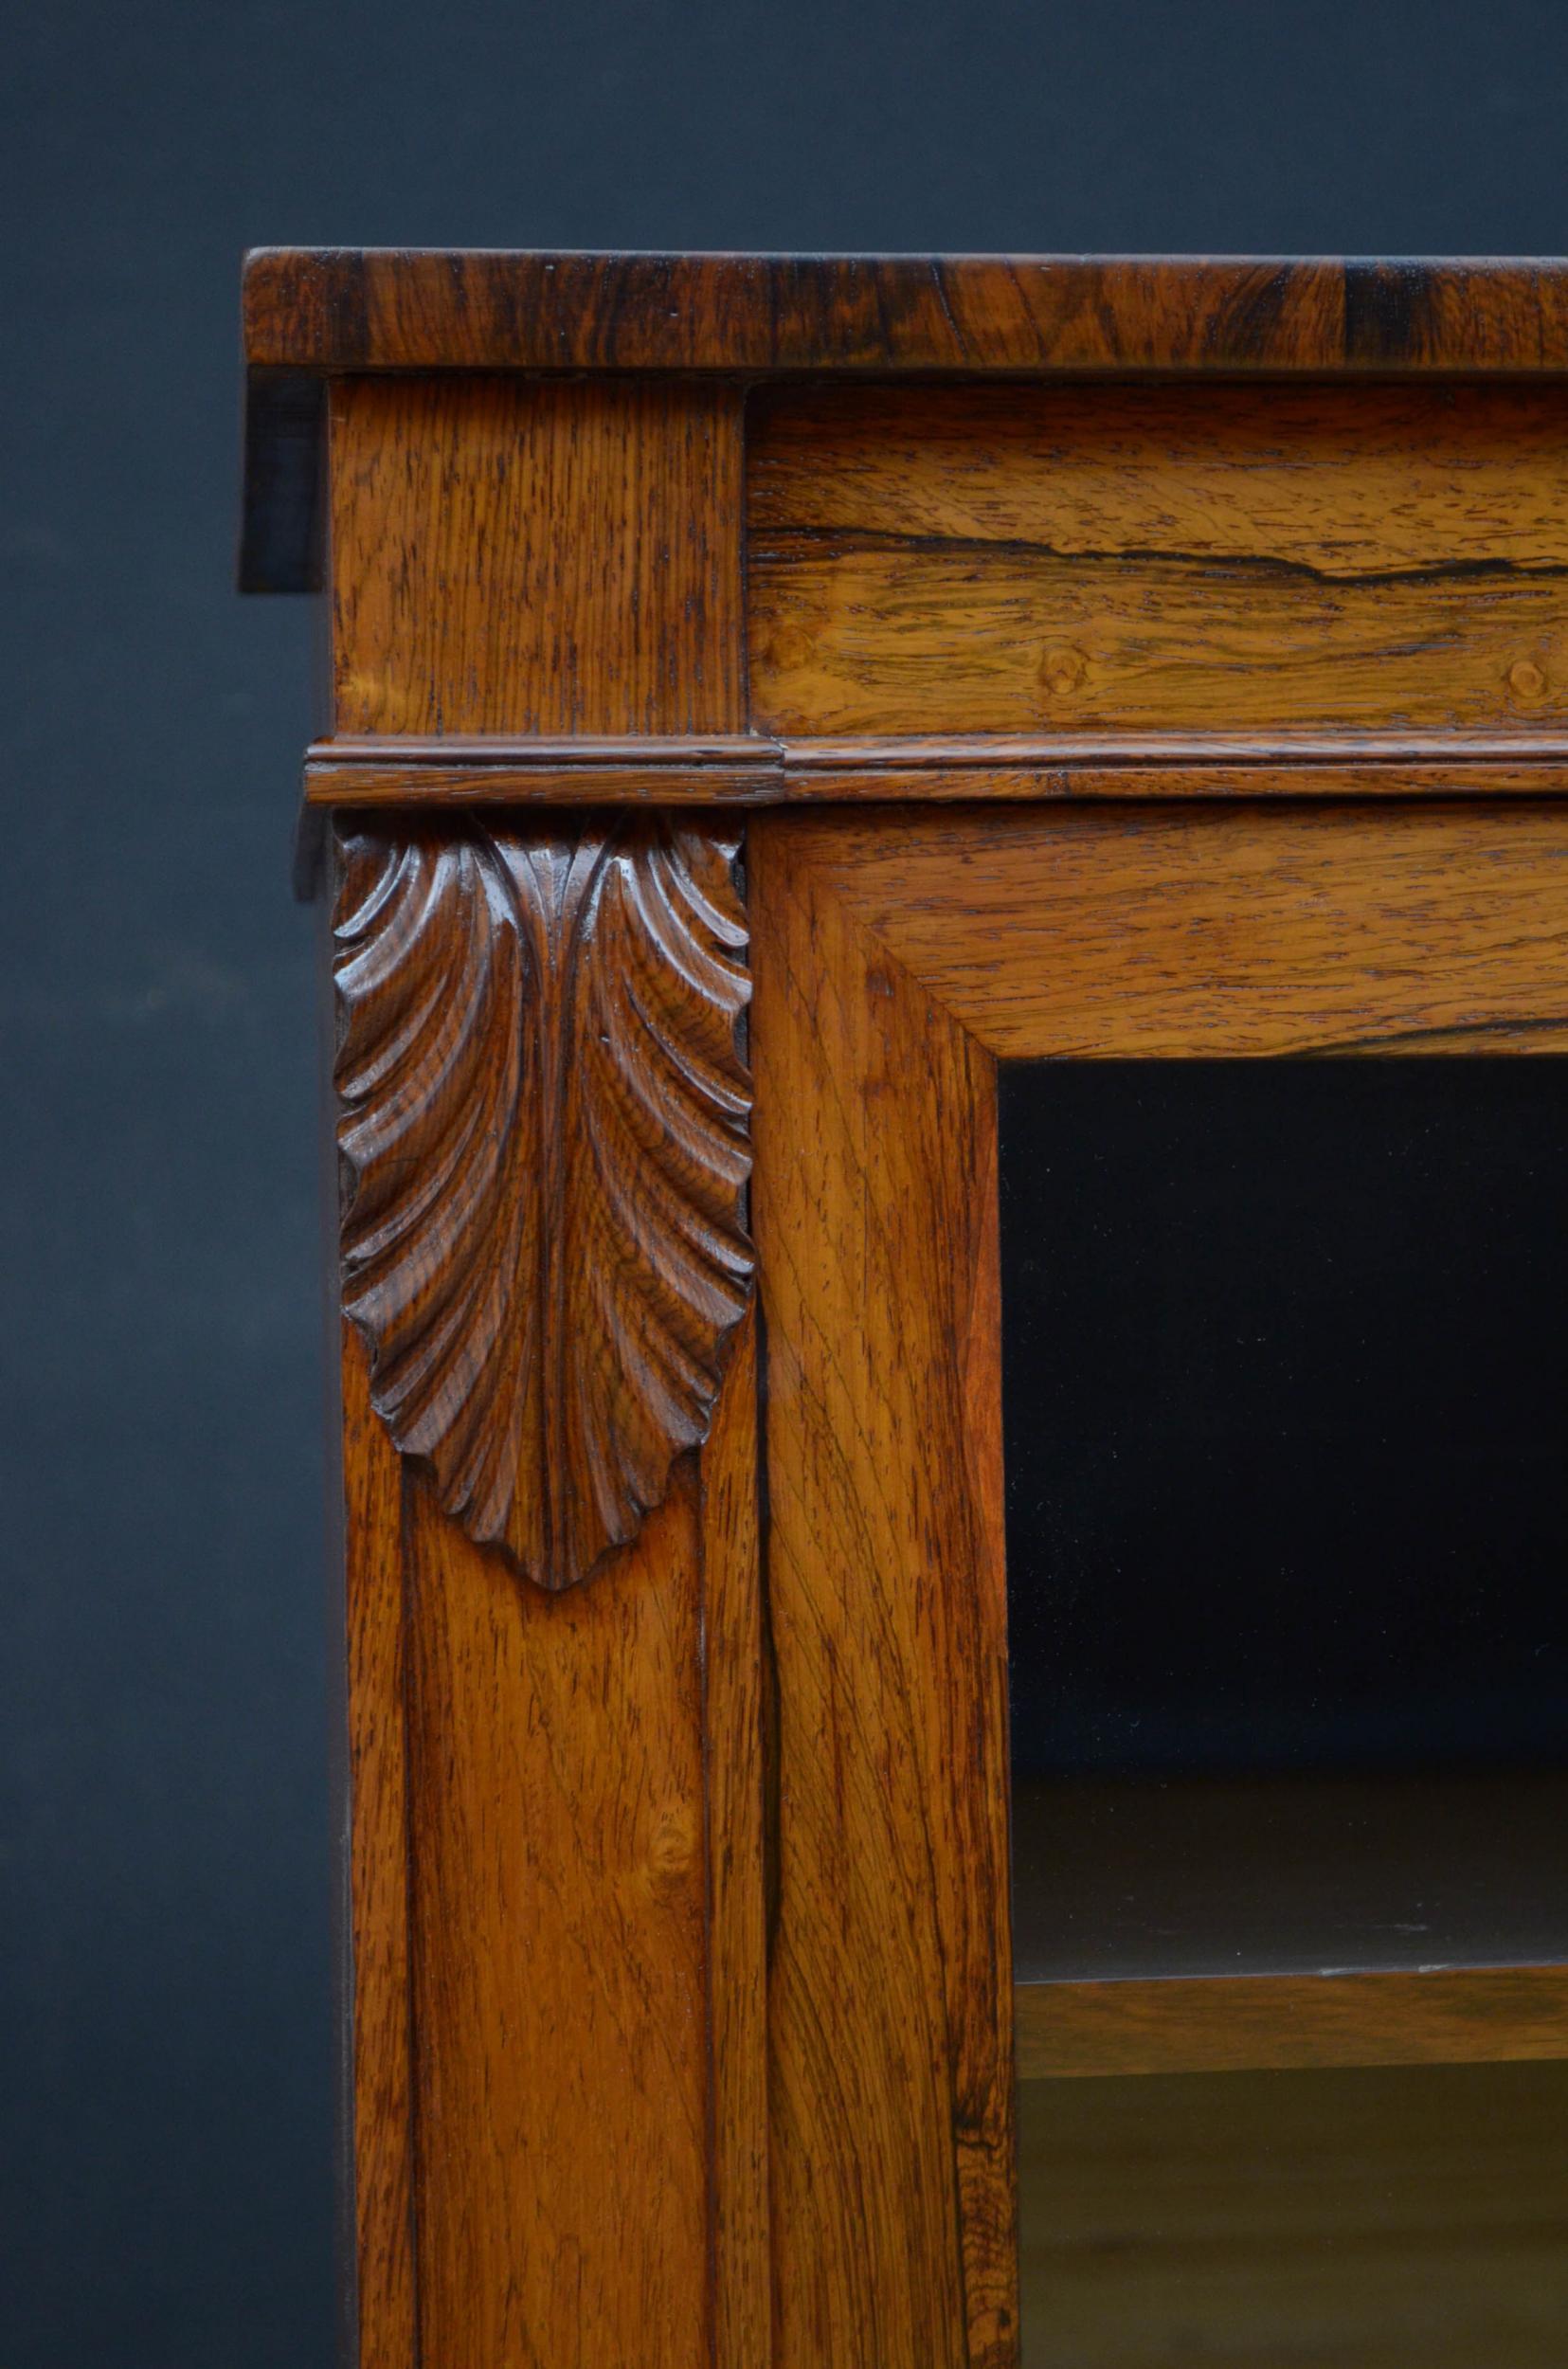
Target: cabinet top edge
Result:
[320, 310]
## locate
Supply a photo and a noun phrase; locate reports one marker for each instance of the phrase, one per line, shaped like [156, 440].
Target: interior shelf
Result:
[1207, 1925]
[1281, 2022]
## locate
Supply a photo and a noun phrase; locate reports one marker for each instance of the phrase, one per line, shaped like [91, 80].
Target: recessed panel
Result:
[1122, 560]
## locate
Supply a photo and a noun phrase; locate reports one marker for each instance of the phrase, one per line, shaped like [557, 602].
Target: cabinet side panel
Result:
[526, 555]
[890, 1981]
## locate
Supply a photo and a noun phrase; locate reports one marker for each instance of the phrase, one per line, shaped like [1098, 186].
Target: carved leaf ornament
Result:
[545, 1154]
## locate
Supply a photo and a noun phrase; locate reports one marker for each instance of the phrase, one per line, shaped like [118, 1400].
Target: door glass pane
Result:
[1286, 1399]
[1285, 1421]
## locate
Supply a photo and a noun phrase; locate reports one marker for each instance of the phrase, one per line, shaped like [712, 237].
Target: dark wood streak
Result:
[545, 1149]
[1230, 568]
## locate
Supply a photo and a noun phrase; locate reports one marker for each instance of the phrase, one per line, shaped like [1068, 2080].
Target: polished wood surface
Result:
[358, 309]
[890, 1986]
[1252, 2023]
[537, 2083]
[510, 555]
[736, 1786]
[1411, 2218]
[533, 1968]
[1128, 559]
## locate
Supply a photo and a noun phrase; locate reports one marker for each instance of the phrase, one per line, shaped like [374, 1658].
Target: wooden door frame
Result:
[897, 956]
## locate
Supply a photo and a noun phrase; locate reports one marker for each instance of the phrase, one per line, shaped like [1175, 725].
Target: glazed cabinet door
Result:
[1160, 1224]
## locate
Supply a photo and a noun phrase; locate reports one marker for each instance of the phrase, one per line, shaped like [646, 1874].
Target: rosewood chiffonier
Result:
[946, 888]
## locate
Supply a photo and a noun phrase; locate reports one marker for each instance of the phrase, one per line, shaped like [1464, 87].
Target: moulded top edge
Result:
[342, 309]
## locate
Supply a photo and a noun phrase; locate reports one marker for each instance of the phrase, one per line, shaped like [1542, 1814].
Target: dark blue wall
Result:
[164, 1971]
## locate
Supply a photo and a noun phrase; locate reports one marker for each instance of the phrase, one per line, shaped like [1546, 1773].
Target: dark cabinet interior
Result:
[1285, 1412]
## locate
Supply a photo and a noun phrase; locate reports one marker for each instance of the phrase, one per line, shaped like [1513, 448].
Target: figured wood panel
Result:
[1126, 559]
[1171, 930]
[1342, 481]
[529, 556]
[1243, 2024]
[890, 2004]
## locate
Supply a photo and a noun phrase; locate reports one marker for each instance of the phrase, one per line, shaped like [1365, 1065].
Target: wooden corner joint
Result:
[544, 1143]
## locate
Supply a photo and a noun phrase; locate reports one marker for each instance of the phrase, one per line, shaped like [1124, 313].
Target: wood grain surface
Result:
[535, 2071]
[889, 1995]
[1249, 2023]
[735, 1723]
[510, 555]
[1340, 478]
[1102, 930]
[1128, 559]
[348, 308]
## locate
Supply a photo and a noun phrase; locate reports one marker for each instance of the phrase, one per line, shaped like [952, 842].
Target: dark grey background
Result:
[165, 2013]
